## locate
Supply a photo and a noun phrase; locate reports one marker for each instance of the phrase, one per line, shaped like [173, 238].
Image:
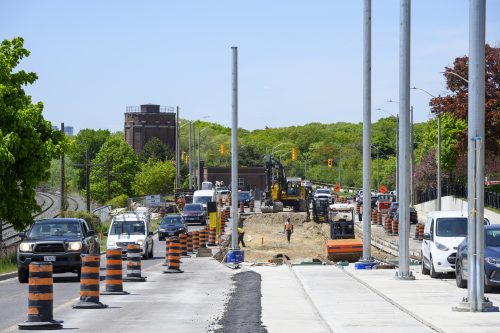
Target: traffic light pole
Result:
[234, 152]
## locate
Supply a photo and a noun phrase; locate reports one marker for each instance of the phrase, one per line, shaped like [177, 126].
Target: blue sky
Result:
[299, 61]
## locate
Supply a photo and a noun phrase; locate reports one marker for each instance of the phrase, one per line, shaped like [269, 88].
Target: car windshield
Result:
[55, 229]
[243, 195]
[127, 228]
[192, 208]
[169, 220]
[451, 227]
[323, 191]
[492, 237]
[202, 200]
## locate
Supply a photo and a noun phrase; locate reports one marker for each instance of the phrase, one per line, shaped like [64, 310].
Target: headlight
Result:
[441, 247]
[140, 241]
[111, 243]
[26, 247]
[493, 261]
[74, 246]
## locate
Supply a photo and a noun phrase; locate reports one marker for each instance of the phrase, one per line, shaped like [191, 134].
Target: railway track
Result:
[50, 205]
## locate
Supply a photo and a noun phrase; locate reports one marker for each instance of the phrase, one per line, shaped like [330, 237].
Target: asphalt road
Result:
[14, 296]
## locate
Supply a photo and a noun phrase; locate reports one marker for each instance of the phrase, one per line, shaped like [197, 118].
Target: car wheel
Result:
[145, 255]
[487, 288]
[151, 253]
[22, 275]
[432, 272]
[425, 270]
[461, 283]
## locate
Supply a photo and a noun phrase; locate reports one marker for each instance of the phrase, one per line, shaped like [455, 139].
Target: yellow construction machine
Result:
[343, 244]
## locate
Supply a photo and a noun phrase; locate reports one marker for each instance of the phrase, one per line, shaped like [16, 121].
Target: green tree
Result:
[86, 140]
[123, 165]
[27, 141]
[155, 177]
[156, 150]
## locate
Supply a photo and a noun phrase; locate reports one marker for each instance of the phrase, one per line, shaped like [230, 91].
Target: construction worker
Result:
[241, 234]
[288, 229]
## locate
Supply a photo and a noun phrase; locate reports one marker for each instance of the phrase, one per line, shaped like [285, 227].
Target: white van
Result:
[131, 228]
[443, 232]
[204, 196]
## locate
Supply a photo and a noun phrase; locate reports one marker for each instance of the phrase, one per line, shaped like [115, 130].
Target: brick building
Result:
[147, 121]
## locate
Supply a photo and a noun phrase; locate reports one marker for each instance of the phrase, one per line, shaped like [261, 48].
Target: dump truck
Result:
[343, 244]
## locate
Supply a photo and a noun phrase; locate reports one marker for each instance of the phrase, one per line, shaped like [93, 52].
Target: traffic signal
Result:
[294, 154]
[330, 163]
[183, 157]
[222, 149]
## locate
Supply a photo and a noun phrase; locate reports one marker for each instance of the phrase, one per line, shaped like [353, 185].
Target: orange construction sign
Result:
[382, 189]
[337, 188]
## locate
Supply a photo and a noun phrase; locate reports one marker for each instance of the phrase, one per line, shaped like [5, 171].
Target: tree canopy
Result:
[156, 150]
[27, 141]
[155, 177]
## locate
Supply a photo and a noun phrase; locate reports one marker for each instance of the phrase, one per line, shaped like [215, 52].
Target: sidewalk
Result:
[348, 300]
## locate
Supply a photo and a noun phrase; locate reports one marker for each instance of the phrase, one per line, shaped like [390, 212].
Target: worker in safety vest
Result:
[241, 234]
[288, 229]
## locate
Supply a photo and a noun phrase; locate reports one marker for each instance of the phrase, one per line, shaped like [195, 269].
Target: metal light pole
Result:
[340, 167]
[438, 162]
[198, 173]
[411, 156]
[475, 174]
[404, 272]
[87, 179]
[234, 152]
[367, 12]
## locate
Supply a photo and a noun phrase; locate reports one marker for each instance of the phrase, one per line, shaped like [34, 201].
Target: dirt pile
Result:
[265, 237]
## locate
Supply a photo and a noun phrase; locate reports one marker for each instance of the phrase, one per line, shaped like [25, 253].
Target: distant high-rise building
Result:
[148, 121]
[68, 130]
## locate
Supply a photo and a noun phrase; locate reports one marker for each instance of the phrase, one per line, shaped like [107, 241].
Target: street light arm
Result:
[425, 91]
[457, 75]
[389, 113]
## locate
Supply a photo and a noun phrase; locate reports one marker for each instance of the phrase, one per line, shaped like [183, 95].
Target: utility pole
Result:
[411, 156]
[305, 164]
[190, 157]
[234, 152]
[108, 188]
[63, 180]
[198, 173]
[87, 179]
[340, 166]
[177, 152]
[367, 130]
[404, 272]
[438, 181]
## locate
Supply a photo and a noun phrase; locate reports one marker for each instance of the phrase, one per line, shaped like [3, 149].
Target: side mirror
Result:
[150, 233]
[22, 235]
[427, 236]
[91, 233]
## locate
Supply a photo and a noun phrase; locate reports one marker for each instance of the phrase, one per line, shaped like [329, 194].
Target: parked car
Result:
[60, 241]
[131, 228]
[413, 215]
[194, 213]
[172, 225]
[491, 260]
[245, 197]
[443, 232]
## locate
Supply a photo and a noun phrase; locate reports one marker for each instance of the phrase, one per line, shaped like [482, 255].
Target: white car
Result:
[443, 232]
[131, 228]
[323, 193]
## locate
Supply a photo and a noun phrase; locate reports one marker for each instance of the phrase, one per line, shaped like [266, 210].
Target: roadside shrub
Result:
[119, 201]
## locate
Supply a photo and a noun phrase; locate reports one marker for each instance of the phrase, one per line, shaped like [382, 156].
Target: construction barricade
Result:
[174, 257]
[89, 283]
[196, 240]
[190, 242]
[183, 242]
[114, 278]
[134, 264]
[40, 298]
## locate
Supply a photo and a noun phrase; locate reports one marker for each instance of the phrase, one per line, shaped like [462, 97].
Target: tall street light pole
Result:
[190, 156]
[177, 152]
[438, 162]
[367, 130]
[234, 151]
[404, 272]
[198, 173]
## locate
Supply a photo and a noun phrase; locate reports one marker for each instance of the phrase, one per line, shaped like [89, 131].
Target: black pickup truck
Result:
[58, 240]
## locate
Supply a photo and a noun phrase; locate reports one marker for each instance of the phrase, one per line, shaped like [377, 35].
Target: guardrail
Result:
[491, 199]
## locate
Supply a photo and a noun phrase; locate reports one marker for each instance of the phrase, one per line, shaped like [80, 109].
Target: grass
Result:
[8, 263]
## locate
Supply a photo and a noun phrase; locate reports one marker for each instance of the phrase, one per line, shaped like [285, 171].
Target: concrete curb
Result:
[7, 276]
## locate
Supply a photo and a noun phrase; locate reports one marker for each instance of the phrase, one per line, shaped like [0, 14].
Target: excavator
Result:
[343, 244]
[282, 191]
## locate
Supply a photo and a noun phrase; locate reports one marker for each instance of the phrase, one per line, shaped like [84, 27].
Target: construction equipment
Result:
[343, 244]
[320, 209]
[282, 191]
